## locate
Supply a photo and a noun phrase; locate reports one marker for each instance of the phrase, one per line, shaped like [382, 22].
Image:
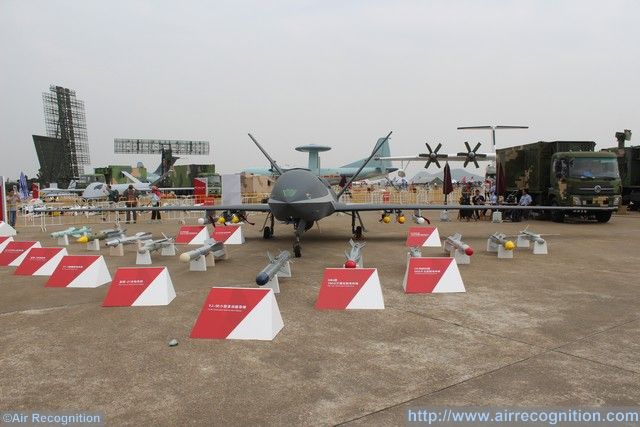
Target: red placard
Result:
[223, 311]
[13, 250]
[69, 269]
[418, 236]
[424, 274]
[188, 232]
[36, 259]
[340, 286]
[221, 233]
[128, 284]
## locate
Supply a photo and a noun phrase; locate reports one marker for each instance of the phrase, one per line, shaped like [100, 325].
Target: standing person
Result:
[155, 202]
[131, 197]
[12, 206]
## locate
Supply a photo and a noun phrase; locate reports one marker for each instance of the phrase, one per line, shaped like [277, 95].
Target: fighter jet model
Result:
[300, 198]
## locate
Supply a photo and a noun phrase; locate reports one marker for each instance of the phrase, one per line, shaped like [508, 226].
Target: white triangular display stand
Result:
[168, 250]
[94, 276]
[116, 250]
[143, 258]
[262, 323]
[159, 292]
[450, 281]
[6, 229]
[93, 245]
[237, 238]
[5, 242]
[49, 267]
[369, 296]
[16, 262]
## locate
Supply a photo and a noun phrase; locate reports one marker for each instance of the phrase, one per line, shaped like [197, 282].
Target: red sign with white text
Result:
[221, 233]
[128, 284]
[188, 233]
[36, 259]
[69, 269]
[340, 286]
[419, 236]
[425, 273]
[13, 250]
[224, 309]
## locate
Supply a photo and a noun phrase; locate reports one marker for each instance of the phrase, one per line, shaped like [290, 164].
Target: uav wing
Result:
[361, 207]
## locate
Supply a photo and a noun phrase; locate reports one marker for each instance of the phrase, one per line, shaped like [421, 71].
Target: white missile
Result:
[457, 249]
[210, 245]
[71, 231]
[155, 245]
[128, 240]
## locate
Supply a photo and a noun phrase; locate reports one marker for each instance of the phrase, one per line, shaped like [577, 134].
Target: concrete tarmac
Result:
[561, 330]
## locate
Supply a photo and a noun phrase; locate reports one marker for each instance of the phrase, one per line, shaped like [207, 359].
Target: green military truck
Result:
[564, 173]
[629, 166]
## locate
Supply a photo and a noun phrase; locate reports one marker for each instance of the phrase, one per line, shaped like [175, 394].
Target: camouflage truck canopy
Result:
[528, 166]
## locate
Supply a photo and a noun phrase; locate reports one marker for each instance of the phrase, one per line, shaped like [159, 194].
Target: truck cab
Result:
[585, 179]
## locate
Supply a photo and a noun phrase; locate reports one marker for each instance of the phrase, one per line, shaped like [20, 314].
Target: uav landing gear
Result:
[356, 231]
[267, 232]
[300, 227]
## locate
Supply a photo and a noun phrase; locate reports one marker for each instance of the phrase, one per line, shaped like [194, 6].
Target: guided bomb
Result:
[275, 266]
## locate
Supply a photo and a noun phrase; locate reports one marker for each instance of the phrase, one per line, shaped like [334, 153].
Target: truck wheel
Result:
[556, 216]
[603, 216]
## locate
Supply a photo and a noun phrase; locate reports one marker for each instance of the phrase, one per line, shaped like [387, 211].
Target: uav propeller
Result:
[433, 156]
[472, 155]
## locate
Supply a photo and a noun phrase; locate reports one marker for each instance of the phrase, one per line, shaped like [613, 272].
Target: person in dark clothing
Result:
[478, 199]
[131, 197]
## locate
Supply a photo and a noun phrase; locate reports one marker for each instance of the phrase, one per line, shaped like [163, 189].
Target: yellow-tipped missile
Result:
[508, 245]
[83, 239]
[386, 219]
[221, 220]
[401, 219]
[235, 219]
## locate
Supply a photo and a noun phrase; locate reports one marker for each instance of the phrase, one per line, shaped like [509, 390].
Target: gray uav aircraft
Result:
[301, 198]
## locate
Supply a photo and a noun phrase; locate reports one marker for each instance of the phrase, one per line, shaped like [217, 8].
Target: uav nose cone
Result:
[262, 279]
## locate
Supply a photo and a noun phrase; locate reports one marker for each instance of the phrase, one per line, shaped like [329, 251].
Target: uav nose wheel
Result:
[297, 252]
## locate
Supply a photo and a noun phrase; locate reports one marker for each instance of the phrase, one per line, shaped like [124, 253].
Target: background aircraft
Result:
[338, 176]
[471, 156]
[300, 197]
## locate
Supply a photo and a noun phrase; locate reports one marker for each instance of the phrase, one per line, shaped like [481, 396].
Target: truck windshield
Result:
[594, 168]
